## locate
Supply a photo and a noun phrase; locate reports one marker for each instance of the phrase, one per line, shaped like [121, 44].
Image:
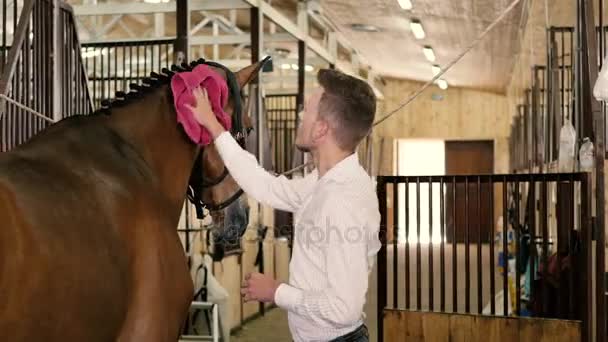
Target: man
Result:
[336, 217]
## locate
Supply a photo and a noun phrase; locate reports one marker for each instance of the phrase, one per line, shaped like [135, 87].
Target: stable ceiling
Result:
[450, 26]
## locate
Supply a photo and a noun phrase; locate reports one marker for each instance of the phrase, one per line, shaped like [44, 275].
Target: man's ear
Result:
[321, 129]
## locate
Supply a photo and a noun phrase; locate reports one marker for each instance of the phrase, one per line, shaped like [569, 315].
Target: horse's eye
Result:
[249, 129]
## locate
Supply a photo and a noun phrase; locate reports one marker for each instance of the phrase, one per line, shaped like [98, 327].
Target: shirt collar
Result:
[343, 170]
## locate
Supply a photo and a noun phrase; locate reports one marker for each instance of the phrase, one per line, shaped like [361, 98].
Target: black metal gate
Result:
[112, 66]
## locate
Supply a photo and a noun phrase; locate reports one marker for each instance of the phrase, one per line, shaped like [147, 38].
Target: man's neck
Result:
[326, 158]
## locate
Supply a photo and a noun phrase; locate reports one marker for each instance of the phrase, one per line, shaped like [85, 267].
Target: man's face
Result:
[311, 129]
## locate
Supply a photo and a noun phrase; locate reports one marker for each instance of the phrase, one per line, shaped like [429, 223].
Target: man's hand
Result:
[204, 114]
[259, 287]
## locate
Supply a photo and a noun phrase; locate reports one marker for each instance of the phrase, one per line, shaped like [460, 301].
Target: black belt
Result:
[353, 336]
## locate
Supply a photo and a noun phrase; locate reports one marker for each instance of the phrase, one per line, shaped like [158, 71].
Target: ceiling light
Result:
[309, 68]
[285, 66]
[364, 28]
[294, 67]
[417, 29]
[429, 53]
[405, 4]
[156, 1]
[443, 84]
[436, 70]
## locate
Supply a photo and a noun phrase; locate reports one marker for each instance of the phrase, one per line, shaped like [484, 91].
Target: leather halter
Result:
[197, 180]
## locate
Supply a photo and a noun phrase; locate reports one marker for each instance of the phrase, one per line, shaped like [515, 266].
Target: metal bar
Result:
[505, 249]
[516, 229]
[395, 245]
[183, 31]
[442, 246]
[115, 49]
[545, 244]
[382, 272]
[407, 244]
[301, 74]
[467, 260]
[95, 97]
[48, 52]
[39, 60]
[495, 178]
[491, 238]
[69, 69]
[167, 63]
[531, 215]
[480, 227]
[431, 280]
[600, 150]
[454, 249]
[26, 85]
[102, 83]
[571, 294]
[4, 47]
[586, 261]
[20, 35]
[124, 68]
[137, 65]
[418, 251]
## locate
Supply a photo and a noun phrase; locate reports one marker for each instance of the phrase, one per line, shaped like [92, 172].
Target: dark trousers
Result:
[358, 335]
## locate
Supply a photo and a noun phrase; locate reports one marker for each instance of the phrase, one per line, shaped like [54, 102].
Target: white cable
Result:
[27, 109]
[449, 65]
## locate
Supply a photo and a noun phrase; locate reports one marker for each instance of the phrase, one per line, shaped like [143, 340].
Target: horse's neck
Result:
[149, 125]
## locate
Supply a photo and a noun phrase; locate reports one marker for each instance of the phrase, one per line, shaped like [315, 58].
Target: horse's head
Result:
[211, 185]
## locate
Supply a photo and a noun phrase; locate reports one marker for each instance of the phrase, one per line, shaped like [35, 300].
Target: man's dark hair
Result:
[349, 103]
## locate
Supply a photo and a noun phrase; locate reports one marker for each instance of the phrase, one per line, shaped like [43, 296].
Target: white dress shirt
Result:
[336, 223]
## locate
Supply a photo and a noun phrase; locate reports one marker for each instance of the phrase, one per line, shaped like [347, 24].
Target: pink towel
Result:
[182, 86]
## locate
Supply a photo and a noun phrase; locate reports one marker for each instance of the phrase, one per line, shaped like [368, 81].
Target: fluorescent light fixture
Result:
[405, 4]
[417, 29]
[295, 67]
[429, 53]
[309, 68]
[436, 70]
[443, 84]
[285, 66]
[364, 27]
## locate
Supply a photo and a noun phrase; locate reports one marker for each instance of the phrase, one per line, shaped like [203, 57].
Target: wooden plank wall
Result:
[411, 326]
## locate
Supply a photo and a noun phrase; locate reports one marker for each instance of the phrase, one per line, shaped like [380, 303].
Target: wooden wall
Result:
[453, 114]
[411, 326]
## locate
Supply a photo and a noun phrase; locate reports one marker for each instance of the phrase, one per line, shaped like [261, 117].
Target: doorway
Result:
[472, 202]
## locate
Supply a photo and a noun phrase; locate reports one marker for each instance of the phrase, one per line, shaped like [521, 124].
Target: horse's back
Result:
[63, 268]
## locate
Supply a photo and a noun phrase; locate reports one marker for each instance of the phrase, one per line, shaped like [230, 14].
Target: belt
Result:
[353, 336]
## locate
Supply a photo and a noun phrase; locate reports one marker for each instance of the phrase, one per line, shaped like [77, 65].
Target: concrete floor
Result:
[273, 326]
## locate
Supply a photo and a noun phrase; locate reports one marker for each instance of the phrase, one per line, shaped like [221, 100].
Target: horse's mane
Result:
[149, 84]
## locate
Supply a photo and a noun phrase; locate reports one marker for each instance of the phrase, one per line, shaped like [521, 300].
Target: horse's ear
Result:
[248, 74]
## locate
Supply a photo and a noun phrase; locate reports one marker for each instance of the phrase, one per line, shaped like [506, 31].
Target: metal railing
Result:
[282, 114]
[440, 251]
[558, 78]
[112, 66]
[43, 79]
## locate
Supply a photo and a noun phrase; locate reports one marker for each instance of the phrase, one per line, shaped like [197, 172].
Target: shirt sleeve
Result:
[278, 192]
[340, 302]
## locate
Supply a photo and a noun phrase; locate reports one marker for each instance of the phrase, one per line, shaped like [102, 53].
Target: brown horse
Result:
[88, 217]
